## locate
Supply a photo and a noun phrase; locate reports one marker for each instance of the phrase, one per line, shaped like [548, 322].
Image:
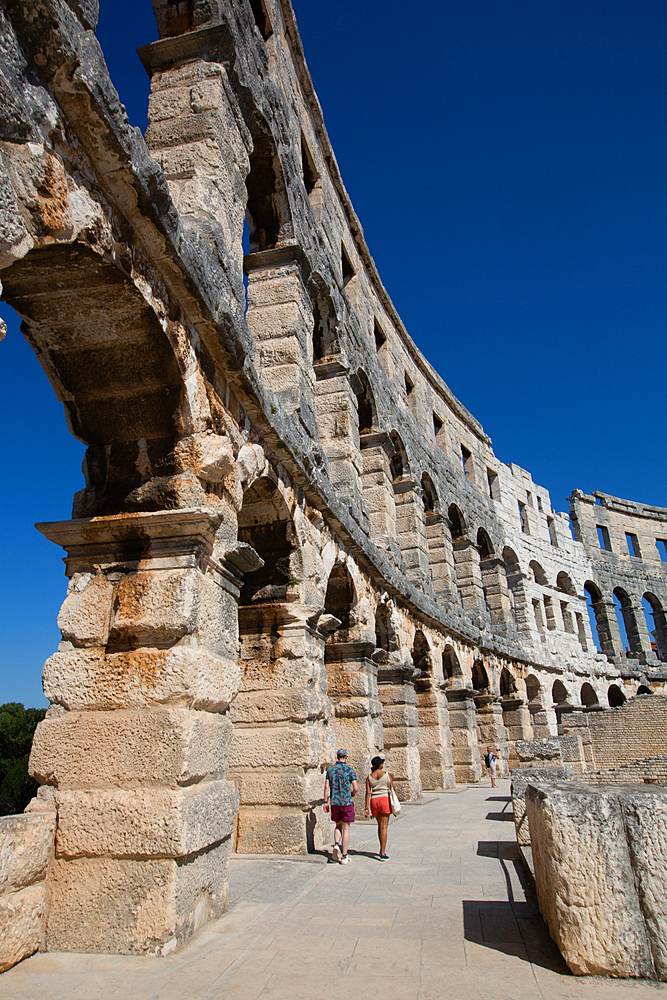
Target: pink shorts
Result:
[342, 814]
[380, 807]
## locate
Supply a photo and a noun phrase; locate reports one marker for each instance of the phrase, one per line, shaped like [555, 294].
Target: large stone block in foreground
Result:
[521, 778]
[600, 858]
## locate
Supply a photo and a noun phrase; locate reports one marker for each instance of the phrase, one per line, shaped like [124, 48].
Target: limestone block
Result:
[521, 778]
[124, 906]
[278, 746]
[21, 924]
[539, 750]
[601, 875]
[352, 708]
[145, 822]
[86, 612]
[276, 788]
[155, 608]
[279, 706]
[26, 849]
[271, 830]
[130, 748]
[92, 679]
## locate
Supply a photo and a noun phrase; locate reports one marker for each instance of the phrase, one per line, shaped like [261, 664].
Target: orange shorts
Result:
[380, 807]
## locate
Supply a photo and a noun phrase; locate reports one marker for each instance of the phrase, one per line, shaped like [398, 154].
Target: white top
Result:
[379, 786]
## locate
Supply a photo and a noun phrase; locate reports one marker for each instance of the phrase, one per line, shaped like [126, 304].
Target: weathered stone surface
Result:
[130, 748]
[145, 822]
[539, 750]
[521, 778]
[22, 929]
[26, 849]
[601, 876]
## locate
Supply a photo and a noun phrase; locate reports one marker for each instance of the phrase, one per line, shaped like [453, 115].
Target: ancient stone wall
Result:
[291, 535]
[26, 853]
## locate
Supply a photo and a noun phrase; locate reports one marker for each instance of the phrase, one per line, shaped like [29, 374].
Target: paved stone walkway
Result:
[448, 916]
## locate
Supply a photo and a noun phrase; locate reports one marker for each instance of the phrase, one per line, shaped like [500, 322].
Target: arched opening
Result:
[480, 678]
[325, 325]
[365, 403]
[643, 689]
[539, 576]
[451, 668]
[265, 524]
[435, 539]
[429, 495]
[267, 208]
[494, 583]
[514, 579]
[627, 623]
[615, 696]
[399, 459]
[421, 653]
[456, 523]
[533, 688]
[385, 633]
[597, 616]
[559, 693]
[507, 684]
[656, 624]
[588, 696]
[484, 545]
[340, 600]
[564, 584]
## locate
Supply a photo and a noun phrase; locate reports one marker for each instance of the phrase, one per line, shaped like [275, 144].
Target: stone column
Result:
[357, 724]
[440, 559]
[281, 737]
[400, 721]
[539, 718]
[280, 317]
[435, 738]
[137, 738]
[517, 722]
[468, 576]
[378, 488]
[336, 409]
[495, 589]
[411, 534]
[463, 725]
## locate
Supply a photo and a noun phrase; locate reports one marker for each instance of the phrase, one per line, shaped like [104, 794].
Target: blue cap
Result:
[342, 753]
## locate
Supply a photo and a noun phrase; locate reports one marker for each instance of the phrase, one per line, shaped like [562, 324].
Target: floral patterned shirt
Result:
[340, 777]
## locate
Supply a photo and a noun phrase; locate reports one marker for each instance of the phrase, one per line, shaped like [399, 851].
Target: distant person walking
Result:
[339, 787]
[378, 785]
[491, 760]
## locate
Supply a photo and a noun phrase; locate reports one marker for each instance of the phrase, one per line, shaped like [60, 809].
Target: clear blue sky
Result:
[507, 159]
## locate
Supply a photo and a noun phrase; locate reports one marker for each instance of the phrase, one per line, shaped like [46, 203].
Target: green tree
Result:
[17, 728]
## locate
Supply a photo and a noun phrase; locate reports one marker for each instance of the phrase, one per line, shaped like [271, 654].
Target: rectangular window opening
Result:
[437, 425]
[466, 459]
[603, 538]
[261, 19]
[581, 631]
[348, 270]
[409, 385]
[380, 337]
[661, 545]
[310, 176]
[523, 517]
[633, 545]
[494, 486]
[566, 614]
[552, 532]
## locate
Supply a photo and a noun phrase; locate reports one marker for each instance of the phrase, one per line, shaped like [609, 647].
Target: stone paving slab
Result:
[450, 915]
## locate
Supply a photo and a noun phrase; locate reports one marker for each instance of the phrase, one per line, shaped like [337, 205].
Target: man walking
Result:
[339, 787]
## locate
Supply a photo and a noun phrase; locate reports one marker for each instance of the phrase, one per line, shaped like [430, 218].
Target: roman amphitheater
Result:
[292, 535]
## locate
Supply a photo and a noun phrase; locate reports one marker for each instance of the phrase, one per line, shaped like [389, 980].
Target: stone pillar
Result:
[410, 532]
[521, 605]
[539, 718]
[281, 737]
[517, 722]
[400, 721]
[491, 731]
[280, 317]
[356, 720]
[336, 409]
[440, 559]
[435, 738]
[495, 589]
[463, 725]
[378, 487]
[468, 576]
[137, 740]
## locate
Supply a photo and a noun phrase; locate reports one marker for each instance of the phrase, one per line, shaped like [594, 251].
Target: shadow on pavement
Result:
[499, 798]
[513, 929]
[504, 816]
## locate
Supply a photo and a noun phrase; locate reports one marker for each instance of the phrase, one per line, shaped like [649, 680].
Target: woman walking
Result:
[378, 784]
